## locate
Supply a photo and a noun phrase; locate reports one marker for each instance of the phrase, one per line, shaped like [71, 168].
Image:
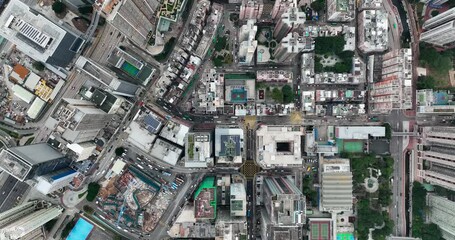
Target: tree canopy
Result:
[288, 94]
[426, 82]
[92, 191]
[119, 151]
[38, 66]
[318, 5]
[277, 95]
[329, 45]
[436, 61]
[58, 7]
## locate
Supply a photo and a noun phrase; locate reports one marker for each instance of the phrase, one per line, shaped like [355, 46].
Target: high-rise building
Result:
[442, 213]
[251, 9]
[435, 158]
[198, 150]
[291, 45]
[336, 181]
[228, 145]
[394, 90]
[38, 37]
[238, 200]
[26, 162]
[441, 35]
[248, 44]
[135, 19]
[440, 19]
[81, 119]
[23, 219]
[281, 6]
[107, 78]
[340, 10]
[290, 20]
[284, 202]
[440, 30]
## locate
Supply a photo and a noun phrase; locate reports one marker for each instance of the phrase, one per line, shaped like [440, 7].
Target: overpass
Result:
[405, 134]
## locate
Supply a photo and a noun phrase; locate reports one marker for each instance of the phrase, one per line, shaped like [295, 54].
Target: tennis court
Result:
[320, 230]
[350, 146]
[129, 68]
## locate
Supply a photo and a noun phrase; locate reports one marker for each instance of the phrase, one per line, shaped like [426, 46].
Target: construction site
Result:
[135, 200]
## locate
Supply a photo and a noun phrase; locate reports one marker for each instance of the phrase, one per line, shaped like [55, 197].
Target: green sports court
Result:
[320, 230]
[129, 68]
[350, 146]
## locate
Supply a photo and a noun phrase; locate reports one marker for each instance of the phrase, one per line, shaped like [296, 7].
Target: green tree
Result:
[329, 45]
[388, 130]
[436, 61]
[92, 191]
[220, 43]
[88, 209]
[49, 225]
[277, 95]
[318, 5]
[39, 66]
[426, 82]
[288, 94]
[58, 7]
[85, 9]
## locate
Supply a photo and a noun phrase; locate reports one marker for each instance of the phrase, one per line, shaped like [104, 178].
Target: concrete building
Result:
[38, 37]
[107, 78]
[198, 150]
[336, 181]
[228, 145]
[291, 45]
[211, 93]
[251, 9]
[248, 43]
[442, 213]
[26, 162]
[81, 120]
[441, 35]
[205, 200]
[435, 158]
[135, 19]
[373, 31]
[340, 10]
[54, 181]
[440, 19]
[238, 200]
[175, 132]
[23, 219]
[279, 146]
[289, 21]
[394, 90]
[359, 132]
[166, 151]
[281, 6]
[274, 76]
[285, 204]
[81, 151]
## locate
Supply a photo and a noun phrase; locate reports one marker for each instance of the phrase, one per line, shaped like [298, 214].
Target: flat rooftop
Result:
[359, 132]
[279, 145]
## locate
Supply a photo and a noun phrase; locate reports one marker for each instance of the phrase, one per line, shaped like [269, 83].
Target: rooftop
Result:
[166, 151]
[175, 132]
[37, 36]
[205, 199]
[229, 144]
[279, 145]
[359, 132]
[198, 149]
[336, 181]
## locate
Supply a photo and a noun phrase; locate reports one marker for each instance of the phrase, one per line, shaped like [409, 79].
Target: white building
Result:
[359, 132]
[175, 132]
[238, 200]
[440, 19]
[166, 152]
[82, 150]
[373, 31]
[248, 44]
[340, 10]
[23, 219]
[291, 45]
[290, 20]
[38, 37]
[281, 6]
[198, 150]
[442, 213]
[279, 146]
[441, 35]
[336, 181]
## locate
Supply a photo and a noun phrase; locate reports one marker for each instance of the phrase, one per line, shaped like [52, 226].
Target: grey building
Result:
[26, 162]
